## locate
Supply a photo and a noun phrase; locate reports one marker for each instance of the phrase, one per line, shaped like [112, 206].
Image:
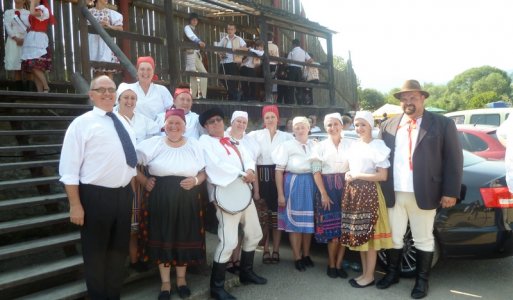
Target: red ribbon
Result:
[226, 142]
[412, 125]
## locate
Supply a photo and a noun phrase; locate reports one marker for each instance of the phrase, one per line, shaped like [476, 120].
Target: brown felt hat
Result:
[411, 86]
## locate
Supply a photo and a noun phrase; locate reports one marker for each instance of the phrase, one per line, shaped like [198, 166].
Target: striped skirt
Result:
[327, 222]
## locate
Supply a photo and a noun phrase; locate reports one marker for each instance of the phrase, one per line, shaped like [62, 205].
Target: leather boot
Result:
[217, 278]
[393, 269]
[246, 274]
[424, 260]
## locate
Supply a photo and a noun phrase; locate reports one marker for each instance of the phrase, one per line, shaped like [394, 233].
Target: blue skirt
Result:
[298, 213]
[327, 222]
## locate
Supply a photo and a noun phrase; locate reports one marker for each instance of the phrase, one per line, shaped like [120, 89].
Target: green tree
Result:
[480, 100]
[339, 63]
[370, 99]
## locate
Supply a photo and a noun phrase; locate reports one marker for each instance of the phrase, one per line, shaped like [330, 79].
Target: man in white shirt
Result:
[230, 62]
[226, 162]
[425, 174]
[96, 166]
[295, 72]
[193, 61]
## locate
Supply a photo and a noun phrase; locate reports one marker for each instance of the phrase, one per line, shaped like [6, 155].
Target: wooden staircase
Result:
[39, 249]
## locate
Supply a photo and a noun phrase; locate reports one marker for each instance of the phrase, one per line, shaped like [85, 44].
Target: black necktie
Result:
[126, 142]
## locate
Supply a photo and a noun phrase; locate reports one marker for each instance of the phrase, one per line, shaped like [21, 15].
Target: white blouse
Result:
[293, 156]
[332, 159]
[163, 160]
[156, 101]
[144, 127]
[267, 146]
[249, 143]
[365, 158]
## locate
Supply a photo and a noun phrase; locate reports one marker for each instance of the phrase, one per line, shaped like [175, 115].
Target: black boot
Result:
[393, 269]
[424, 260]
[246, 274]
[217, 290]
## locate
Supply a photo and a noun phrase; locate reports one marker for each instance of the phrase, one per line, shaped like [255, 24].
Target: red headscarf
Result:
[147, 59]
[176, 112]
[273, 109]
[47, 5]
[179, 91]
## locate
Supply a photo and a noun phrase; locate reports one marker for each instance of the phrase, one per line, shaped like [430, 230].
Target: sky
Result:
[432, 41]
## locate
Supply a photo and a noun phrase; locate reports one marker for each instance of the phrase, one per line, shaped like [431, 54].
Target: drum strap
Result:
[226, 141]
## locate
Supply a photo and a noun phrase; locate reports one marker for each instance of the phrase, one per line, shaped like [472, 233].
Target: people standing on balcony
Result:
[98, 49]
[97, 164]
[310, 75]
[16, 23]
[329, 171]
[35, 53]
[264, 191]
[230, 62]
[174, 235]
[364, 225]
[248, 68]
[193, 59]
[295, 95]
[152, 99]
[273, 51]
[296, 191]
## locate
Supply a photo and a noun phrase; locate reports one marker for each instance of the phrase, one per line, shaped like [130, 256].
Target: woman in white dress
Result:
[264, 192]
[365, 226]
[329, 164]
[183, 100]
[35, 55]
[16, 23]
[98, 49]
[296, 190]
[152, 99]
[173, 227]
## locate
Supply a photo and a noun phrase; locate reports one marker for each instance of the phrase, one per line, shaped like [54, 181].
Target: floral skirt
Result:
[327, 222]
[43, 63]
[364, 217]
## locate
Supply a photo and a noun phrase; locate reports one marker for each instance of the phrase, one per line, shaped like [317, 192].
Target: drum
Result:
[234, 197]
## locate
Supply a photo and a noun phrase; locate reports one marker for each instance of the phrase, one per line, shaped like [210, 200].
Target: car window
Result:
[486, 119]
[471, 159]
[463, 141]
[458, 119]
[475, 142]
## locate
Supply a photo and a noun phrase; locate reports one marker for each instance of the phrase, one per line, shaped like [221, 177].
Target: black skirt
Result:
[175, 223]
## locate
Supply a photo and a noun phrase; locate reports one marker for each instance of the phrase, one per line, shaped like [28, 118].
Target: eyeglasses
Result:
[103, 90]
[214, 120]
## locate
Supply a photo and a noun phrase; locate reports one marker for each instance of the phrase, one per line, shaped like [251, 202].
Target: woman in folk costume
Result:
[265, 194]
[35, 55]
[296, 191]
[365, 226]
[173, 221]
[16, 23]
[98, 49]
[329, 164]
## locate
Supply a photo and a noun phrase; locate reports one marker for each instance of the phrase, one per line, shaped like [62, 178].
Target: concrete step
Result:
[17, 183]
[32, 132]
[35, 222]
[37, 118]
[20, 148]
[28, 164]
[28, 247]
[31, 201]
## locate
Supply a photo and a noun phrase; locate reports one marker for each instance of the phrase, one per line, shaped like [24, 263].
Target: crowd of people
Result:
[140, 166]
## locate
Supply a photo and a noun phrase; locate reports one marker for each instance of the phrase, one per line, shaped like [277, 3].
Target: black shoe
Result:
[299, 265]
[307, 261]
[183, 291]
[246, 273]
[164, 295]
[424, 260]
[139, 267]
[355, 284]
[217, 279]
[393, 269]
[341, 273]
[332, 272]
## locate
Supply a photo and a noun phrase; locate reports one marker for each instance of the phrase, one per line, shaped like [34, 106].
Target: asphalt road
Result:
[450, 279]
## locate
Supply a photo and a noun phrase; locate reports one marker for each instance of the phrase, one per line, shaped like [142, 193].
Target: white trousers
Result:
[228, 232]
[193, 63]
[421, 222]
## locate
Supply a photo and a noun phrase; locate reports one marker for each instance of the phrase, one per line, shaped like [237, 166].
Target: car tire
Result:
[408, 262]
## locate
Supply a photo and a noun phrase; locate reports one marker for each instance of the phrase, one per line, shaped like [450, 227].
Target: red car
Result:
[481, 140]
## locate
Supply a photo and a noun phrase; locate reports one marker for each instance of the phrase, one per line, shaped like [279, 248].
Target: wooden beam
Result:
[266, 69]
[331, 71]
[84, 42]
[172, 45]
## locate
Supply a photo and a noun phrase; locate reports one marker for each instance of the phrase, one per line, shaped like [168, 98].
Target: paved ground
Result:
[451, 279]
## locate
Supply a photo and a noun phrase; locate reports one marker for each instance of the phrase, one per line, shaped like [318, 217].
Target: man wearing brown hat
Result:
[426, 172]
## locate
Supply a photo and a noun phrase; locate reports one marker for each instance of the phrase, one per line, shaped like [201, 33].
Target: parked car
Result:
[483, 116]
[478, 226]
[481, 140]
